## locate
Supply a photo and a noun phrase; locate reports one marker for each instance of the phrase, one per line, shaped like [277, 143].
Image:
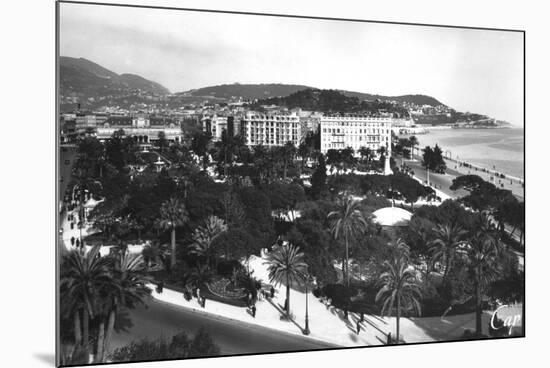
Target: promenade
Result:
[444, 181]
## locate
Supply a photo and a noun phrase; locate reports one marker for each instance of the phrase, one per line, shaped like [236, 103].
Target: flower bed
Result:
[222, 289]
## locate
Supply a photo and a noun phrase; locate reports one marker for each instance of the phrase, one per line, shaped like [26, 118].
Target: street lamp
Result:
[428, 175]
[306, 329]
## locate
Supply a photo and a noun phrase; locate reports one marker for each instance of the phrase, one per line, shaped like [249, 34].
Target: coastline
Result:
[442, 182]
[498, 152]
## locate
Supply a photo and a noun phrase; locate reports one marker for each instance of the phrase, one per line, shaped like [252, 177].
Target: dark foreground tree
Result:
[180, 346]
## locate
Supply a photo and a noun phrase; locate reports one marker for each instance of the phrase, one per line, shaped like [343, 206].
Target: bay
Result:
[502, 148]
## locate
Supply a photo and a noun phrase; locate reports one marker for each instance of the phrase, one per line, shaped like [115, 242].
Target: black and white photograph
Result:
[234, 183]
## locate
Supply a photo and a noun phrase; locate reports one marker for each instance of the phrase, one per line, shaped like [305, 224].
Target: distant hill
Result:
[247, 91]
[90, 84]
[414, 99]
[85, 79]
[266, 91]
[331, 101]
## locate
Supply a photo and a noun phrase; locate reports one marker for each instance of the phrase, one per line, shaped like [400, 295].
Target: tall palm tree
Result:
[172, 215]
[127, 291]
[82, 277]
[204, 236]
[347, 221]
[445, 245]
[483, 253]
[399, 285]
[286, 265]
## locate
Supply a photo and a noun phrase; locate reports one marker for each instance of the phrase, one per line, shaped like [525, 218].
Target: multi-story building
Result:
[216, 125]
[89, 121]
[270, 130]
[339, 132]
[142, 128]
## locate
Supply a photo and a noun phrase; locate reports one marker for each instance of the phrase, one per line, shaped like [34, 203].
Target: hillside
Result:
[271, 90]
[331, 101]
[83, 79]
[414, 99]
[247, 91]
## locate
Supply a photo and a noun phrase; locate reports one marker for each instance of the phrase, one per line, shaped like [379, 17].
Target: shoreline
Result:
[496, 162]
[496, 173]
[443, 181]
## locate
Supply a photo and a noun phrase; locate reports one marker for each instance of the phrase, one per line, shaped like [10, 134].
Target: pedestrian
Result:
[203, 302]
[199, 294]
[160, 286]
[389, 338]
[358, 327]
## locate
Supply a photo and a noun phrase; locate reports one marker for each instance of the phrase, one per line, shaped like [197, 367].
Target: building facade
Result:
[141, 128]
[270, 130]
[89, 121]
[216, 125]
[339, 132]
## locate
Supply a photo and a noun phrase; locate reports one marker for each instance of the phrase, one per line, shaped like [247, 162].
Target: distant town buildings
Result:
[339, 132]
[142, 128]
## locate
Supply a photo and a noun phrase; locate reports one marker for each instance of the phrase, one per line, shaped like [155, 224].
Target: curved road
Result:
[233, 337]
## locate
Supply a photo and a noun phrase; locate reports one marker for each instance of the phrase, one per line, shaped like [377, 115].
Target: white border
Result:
[28, 181]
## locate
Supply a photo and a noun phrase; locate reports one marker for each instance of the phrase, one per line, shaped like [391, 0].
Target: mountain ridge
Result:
[85, 79]
[270, 90]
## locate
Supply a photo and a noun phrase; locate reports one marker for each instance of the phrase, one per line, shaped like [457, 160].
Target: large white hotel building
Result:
[339, 132]
[270, 130]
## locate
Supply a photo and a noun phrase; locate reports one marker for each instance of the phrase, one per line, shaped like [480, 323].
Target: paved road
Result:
[233, 337]
[67, 156]
[442, 181]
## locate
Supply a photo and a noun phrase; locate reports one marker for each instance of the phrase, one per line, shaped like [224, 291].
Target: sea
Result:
[500, 149]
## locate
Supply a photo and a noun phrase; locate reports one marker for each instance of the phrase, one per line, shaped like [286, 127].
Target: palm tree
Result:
[205, 235]
[483, 253]
[286, 265]
[173, 214]
[445, 245]
[347, 221]
[399, 285]
[127, 291]
[153, 253]
[82, 277]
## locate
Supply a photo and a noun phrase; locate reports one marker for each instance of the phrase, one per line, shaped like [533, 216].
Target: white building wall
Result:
[271, 130]
[350, 131]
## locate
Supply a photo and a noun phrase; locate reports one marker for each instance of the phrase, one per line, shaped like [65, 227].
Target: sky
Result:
[469, 70]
